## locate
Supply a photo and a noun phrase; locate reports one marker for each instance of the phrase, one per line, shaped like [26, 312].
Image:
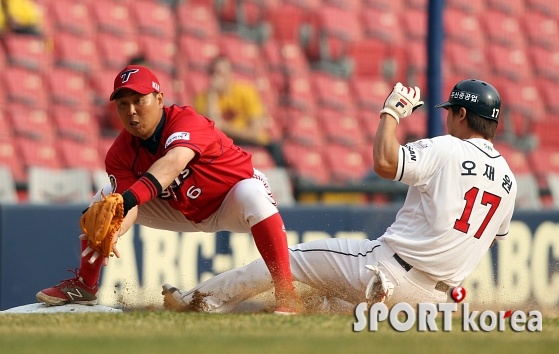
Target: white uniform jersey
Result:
[461, 197]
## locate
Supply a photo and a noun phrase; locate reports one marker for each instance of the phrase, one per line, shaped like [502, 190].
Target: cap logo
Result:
[155, 85]
[126, 74]
[466, 96]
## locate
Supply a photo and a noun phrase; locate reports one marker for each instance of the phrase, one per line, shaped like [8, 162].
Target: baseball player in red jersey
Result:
[460, 200]
[176, 171]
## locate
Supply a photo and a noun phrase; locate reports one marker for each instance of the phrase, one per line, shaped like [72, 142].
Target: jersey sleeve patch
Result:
[177, 136]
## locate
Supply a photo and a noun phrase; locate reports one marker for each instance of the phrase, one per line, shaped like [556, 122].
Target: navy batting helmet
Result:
[477, 96]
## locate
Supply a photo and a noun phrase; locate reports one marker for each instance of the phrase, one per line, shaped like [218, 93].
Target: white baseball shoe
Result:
[379, 289]
[172, 298]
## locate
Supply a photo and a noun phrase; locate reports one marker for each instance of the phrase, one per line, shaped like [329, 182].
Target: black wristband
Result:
[129, 200]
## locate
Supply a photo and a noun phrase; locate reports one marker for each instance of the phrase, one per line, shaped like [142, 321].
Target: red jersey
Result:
[203, 184]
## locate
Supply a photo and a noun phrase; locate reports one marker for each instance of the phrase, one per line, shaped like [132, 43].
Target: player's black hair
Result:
[486, 127]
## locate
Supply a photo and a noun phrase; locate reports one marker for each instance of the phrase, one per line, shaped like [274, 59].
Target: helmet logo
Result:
[466, 96]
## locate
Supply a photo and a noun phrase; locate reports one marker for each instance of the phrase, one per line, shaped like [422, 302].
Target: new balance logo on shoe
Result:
[75, 295]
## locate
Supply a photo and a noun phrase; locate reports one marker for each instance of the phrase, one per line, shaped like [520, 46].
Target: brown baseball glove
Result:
[101, 221]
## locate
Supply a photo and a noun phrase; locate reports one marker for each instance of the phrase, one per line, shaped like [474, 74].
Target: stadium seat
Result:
[261, 158]
[115, 51]
[38, 153]
[548, 90]
[308, 5]
[369, 93]
[31, 122]
[6, 130]
[524, 98]
[541, 29]
[464, 60]
[75, 123]
[287, 22]
[344, 164]
[27, 51]
[346, 5]
[463, 28]
[245, 12]
[545, 62]
[303, 129]
[197, 19]
[417, 58]
[332, 30]
[510, 7]
[243, 54]
[195, 82]
[502, 29]
[8, 194]
[546, 129]
[385, 5]
[25, 86]
[160, 53]
[76, 154]
[369, 57]
[299, 94]
[468, 6]
[415, 128]
[67, 87]
[545, 162]
[75, 52]
[9, 156]
[101, 83]
[330, 91]
[71, 16]
[293, 60]
[112, 17]
[414, 22]
[509, 63]
[305, 163]
[103, 146]
[341, 127]
[418, 4]
[546, 7]
[383, 25]
[153, 18]
[195, 53]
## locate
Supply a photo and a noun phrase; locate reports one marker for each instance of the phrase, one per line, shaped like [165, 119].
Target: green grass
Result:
[159, 331]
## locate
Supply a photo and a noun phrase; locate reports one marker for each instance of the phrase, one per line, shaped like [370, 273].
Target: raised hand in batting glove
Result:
[402, 101]
[101, 225]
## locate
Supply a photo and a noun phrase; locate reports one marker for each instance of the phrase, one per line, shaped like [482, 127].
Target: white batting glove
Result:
[402, 101]
[379, 288]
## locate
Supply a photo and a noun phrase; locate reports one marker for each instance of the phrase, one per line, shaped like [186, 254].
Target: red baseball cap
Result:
[137, 78]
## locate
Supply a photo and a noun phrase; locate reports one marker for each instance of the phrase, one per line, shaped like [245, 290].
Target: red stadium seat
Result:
[261, 158]
[75, 123]
[418, 4]
[546, 129]
[510, 7]
[417, 54]
[293, 60]
[195, 82]
[196, 53]
[331, 91]
[509, 63]
[287, 22]
[38, 153]
[75, 52]
[67, 87]
[346, 5]
[545, 62]
[517, 159]
[101, 82]
[103, 145]
[196, 19]
[112, 17]
[159, 52]
[306, 163]
[468, 6]
[384, 5]
[246, 13]
[27, 51]
[31, 122]
[71, 16]
[345, 164]
[383, 25]
[503, 29]
[25, 86]
[115, 51]
[463, 28]
[524, 99]
[9, 156]
[415, 24]
[6, 130]
[332, 30]
[299, 94]
[546, 7]
[548, 90]
[544, 161]
[369, 93]
[464, 60]
[415, 127]
[75, 154]
[369, 56]
[341, 127]
[153, 18]
[303, 128]
[244, 55]
[541, 29]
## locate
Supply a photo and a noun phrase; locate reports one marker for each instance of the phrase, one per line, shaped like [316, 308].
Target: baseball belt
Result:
[440, 286]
